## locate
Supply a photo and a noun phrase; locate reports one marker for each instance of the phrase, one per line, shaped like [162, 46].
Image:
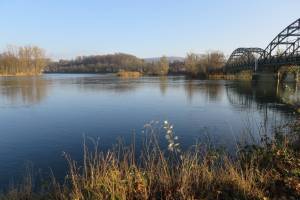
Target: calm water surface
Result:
[40, 117]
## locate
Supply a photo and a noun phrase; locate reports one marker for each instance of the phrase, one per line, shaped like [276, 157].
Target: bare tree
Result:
[22, 60]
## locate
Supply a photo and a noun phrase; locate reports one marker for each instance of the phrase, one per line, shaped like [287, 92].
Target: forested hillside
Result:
[110, 63]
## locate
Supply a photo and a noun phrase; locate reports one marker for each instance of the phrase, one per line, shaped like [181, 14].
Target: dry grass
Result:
[244, 75]
[267, 172]
[129, 74]
[113, 175]
[20, 74]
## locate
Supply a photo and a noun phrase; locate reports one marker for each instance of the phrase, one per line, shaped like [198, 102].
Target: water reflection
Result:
[23, 91]
[163, 84]
[212, 90]
[289, 94]
[105, 83]
[105, 106]
[246, 94]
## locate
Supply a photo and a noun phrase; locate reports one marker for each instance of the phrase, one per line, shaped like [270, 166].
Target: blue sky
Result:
[146, 28]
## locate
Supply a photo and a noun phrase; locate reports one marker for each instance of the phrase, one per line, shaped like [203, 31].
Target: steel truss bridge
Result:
[283, 50]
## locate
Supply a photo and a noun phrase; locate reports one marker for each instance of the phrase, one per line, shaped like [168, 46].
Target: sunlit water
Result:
[41, 117]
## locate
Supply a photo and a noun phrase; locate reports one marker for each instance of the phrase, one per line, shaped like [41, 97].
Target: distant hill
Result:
[170, 58]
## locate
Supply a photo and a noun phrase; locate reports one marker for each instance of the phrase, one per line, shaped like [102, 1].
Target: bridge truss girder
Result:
[243, 58]
[286, 43]
[284, 49]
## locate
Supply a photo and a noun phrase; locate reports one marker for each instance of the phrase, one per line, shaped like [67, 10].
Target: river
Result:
[43, 116]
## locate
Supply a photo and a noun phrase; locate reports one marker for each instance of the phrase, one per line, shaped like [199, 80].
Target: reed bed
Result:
[129, 74]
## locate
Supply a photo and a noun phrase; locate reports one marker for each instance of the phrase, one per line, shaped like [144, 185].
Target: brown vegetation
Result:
[27, 60]
[160, 67]
[31, 60]
[129, 74]
[202, 64]
[266, 171]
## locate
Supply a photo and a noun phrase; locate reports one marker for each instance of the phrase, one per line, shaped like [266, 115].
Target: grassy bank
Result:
[267, 171]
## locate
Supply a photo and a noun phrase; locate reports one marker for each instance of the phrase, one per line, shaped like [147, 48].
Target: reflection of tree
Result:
[214, 90]
[189, 89]
[23, 90]
[106, 83]
[234, 92]
[211, 90]
[163, 84]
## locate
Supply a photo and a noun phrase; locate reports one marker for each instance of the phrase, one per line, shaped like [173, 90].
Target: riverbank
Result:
[135, 74]
[270, 170]
[245, 75]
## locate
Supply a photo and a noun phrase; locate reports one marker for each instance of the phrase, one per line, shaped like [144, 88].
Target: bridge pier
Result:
[288, 74]
[279, 77]
[283, 74]
[265, 77]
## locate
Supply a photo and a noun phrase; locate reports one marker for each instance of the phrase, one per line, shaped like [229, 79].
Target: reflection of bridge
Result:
[282, 52]
[261, 95]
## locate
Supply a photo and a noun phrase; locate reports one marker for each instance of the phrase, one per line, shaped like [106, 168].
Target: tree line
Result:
[26, 60]
[196, 65]
[31, 60]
